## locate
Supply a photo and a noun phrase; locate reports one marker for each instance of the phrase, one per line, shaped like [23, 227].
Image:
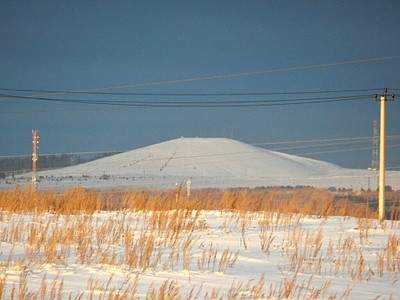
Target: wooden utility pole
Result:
[382, 98]
[35, 154]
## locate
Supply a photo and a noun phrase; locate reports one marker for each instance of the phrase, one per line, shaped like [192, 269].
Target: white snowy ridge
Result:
[211, 162]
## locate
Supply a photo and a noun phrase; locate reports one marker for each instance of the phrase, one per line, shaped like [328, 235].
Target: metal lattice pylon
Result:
[375, 146]
[35, 154]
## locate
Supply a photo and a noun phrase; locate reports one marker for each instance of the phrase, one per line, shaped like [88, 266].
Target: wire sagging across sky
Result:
[189, 94]
[195, 104]
[253, 73]
[316, 143]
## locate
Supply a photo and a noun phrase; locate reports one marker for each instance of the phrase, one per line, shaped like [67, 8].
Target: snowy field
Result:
[198, 255]
[350, 179]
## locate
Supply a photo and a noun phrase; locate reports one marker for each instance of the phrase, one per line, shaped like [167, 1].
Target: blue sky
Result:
[81, 45]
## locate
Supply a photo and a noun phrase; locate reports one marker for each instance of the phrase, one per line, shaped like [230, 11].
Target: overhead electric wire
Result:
[62, 110]
[345, 150]
[222, 154]
[320, 143]
[319, 140]
[247, 73]
[393, 168]
[187, 94]
[186, 101]
[196, 104]
[64, 153]
[249, 152]
[252, 73]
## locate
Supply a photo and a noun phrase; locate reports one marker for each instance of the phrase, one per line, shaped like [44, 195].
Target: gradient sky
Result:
[81, 45]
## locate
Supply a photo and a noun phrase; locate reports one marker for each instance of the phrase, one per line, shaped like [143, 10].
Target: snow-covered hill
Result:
[202, 157]
[211, 162]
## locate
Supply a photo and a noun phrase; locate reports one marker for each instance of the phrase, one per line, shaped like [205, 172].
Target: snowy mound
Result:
[202, 158]
[209, 162]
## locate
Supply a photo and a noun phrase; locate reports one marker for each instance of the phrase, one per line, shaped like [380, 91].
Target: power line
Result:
[197, 104]
[252, 73]
[393, 168]
[321, 143]
[248, 73]
[222, 154]
[186, 101]
[70, 109]
[191, 94]
[65, 153]
[320, 140]
[345, 150]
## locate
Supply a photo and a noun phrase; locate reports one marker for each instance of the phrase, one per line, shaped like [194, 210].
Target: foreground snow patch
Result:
[189, 254]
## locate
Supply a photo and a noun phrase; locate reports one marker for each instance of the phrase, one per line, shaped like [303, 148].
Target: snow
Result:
[210, 162]
[222, 230]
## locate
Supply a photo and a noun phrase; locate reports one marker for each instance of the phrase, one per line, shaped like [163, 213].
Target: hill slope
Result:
[212, 162]
[202, 157]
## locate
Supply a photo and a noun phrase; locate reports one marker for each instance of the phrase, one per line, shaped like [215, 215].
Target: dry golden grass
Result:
[63, 229]
[306, 201]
